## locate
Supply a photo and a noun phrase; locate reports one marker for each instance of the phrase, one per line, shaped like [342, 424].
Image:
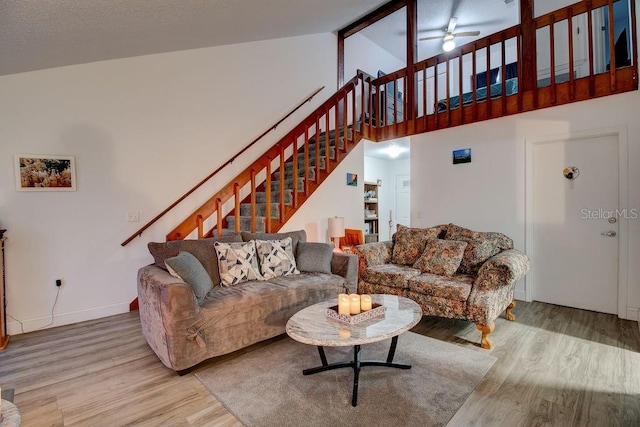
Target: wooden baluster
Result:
[592, 79]
[282, 177]
[503, 72]
[253, 201]
[488, 97]
[354, 125]
[424, 94]
[519, 67]
[337, 131]
[634, 44]
[572, 80]
[317, 140]
[236, 195]
[612, 48]
[295, 172]
[436, 112]
[552, 52]
[200, 225]
[327, 153]
[460, 89]
[219, 216]
[474, 83]
[306, 161]
[448, 92]
[267, 192]
[395, 103]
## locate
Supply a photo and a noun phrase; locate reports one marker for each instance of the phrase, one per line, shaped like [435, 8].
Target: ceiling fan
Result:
[449, 37]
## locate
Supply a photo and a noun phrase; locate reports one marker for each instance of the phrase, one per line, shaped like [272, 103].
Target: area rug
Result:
[266, 387]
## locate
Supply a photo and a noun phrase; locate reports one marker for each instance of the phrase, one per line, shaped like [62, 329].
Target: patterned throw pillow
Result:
[237, 262]
[481, 246]
[276, 258]
[410, 243]
[476, 254]
[441, 257]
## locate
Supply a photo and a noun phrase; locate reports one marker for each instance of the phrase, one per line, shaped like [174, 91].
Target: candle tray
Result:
[377, 310]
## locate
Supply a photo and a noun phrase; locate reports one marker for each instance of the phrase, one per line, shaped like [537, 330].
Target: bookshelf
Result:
[371, 191]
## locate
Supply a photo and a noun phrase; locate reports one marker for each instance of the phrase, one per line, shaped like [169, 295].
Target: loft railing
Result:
[573, 60]
[311, 151]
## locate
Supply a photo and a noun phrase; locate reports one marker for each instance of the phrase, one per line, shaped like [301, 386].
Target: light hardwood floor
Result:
[556, 366]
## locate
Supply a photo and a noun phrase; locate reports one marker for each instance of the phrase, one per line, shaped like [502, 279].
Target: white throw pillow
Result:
[237, 262]
[276, 258]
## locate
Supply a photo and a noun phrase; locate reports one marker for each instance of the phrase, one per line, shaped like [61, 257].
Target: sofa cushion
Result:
[275, 258]
[238, 262]
[314, 257]
[455, 232]
[187, 268]
[392, 275]
[200, 248]
[296, 236]
[441, 257]
[456, 288]
[410, 243]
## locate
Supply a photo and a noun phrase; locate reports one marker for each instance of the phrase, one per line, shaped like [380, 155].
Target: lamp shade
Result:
[336, 226]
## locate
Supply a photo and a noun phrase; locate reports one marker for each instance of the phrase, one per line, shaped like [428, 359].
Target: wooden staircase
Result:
[265, 195]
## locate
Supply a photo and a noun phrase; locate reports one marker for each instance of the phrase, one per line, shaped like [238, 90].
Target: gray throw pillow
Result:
[296, 236]
[314, 257]
[187, 268]
[200, 248]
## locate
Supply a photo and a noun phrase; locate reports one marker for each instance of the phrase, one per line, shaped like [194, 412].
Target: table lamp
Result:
[336, 230]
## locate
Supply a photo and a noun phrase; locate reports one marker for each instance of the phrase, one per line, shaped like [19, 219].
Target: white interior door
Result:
[574, 224]
[403, 200]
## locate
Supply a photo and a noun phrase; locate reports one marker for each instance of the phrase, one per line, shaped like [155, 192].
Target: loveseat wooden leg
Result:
[508, 314]
[485, 342]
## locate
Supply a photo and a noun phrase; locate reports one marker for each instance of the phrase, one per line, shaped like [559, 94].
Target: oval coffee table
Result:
[312, 326]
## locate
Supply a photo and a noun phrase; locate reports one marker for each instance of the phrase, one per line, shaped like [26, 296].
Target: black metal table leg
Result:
[356, 374]
[356, 364]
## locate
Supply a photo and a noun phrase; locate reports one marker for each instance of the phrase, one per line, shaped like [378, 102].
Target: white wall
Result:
[489, 193]
[143, 130]
[361, 53]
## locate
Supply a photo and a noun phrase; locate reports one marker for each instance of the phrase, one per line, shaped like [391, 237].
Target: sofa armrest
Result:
[375, 253]
[346, 265]
[502, 269]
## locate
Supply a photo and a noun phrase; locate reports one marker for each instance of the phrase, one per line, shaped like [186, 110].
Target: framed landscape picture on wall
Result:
[36, 172]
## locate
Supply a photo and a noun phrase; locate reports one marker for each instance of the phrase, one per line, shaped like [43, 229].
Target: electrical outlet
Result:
[58, 282]
[133, 216]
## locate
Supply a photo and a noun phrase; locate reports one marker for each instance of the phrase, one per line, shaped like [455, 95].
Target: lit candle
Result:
[355, 304]
[344, 305]
[365, 302]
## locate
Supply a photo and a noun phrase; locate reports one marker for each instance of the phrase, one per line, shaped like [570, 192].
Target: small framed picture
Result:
[352, 179]
[462, 156]
[35, 172]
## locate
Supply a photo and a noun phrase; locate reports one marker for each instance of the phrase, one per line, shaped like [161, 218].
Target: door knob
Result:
[609, 233]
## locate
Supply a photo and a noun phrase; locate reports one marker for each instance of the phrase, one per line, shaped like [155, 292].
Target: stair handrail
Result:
[139, 232]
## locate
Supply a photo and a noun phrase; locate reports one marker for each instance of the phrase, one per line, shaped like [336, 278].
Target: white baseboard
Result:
[633, 314]
[59, 319]
[519, 294]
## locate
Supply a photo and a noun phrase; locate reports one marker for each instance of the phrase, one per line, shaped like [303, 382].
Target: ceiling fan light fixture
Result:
[449, 43]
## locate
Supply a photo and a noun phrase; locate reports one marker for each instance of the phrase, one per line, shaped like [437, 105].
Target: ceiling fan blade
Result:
[467, 34]
[430, 38]
[452, 24]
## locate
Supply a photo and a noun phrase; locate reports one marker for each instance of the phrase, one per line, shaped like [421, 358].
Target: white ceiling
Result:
[39, 34]
[380, 150]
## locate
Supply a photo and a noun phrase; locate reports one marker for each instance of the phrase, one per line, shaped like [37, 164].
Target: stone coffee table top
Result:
[312, 325]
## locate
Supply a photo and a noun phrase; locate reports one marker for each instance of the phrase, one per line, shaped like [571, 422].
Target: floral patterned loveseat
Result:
[450, 271]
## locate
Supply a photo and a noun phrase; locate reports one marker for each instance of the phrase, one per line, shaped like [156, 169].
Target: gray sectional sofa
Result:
[183, 332]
